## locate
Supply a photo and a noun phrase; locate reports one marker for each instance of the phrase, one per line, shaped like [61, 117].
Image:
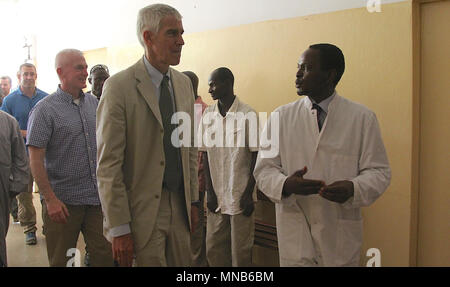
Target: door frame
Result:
[416, 120]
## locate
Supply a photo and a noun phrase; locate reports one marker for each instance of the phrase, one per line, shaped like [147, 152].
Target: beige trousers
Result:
[27, 212]
[169, 244]
[229, 240]
[198, 239]
[62, 237]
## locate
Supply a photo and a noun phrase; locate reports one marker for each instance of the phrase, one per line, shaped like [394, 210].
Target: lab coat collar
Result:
[323, 104]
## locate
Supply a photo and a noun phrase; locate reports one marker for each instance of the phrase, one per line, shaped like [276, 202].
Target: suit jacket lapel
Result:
[178, 91]
[147, 89]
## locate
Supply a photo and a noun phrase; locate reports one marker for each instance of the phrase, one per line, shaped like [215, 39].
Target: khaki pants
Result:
[62, 237]
[229, 240]
[198, 239]
[169, 244]
[27, 212]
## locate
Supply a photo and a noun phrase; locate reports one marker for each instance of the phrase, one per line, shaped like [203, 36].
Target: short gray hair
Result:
[60, 59]
[149, 19]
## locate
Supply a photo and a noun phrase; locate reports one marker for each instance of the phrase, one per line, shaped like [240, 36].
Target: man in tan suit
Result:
[148, 186]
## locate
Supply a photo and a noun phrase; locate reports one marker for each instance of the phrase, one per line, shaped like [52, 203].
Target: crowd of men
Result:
[109, 163]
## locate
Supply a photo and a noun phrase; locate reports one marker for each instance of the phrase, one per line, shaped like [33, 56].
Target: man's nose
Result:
[180, 40]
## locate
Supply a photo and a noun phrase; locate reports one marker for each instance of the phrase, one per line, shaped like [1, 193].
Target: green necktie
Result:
[172, 171]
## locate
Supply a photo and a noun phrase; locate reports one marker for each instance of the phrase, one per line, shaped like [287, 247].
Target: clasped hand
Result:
[339, 191]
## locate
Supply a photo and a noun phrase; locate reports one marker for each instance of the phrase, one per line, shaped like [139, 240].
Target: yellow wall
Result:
[94, 57]
[434, 199]
[378, 51]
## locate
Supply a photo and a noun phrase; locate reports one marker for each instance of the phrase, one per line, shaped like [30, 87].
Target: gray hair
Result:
[149, 19]
[6, 78]
[60, 58]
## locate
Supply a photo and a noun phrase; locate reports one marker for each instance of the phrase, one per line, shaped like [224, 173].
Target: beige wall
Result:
[379, 54]
[95, 57]
[434, 199]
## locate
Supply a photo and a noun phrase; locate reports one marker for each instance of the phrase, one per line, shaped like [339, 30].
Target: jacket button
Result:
[157, 196]
[162, 162]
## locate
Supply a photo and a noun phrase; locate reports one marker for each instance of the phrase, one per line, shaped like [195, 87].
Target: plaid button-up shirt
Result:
[67, 132]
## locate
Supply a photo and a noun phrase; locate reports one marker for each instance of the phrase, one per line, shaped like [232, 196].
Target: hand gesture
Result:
[338, 191]
[298, 185]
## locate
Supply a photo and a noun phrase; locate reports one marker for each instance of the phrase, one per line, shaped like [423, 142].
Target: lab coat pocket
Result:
[343, 167]
[349, 241]
[295, 243]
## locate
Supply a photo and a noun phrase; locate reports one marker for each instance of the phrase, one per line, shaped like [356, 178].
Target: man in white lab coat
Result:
[331, 162]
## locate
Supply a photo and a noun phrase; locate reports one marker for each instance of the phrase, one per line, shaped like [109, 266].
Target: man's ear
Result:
[58, 71]
[148, 37]
[332, 74]
[90, 80]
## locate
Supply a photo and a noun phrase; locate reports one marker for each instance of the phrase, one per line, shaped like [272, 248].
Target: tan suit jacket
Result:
[131, 153]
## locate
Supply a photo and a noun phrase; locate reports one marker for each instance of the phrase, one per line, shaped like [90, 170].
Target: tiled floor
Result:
[22, 255]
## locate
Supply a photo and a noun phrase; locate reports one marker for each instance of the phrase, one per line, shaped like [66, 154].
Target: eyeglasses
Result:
[98, 67]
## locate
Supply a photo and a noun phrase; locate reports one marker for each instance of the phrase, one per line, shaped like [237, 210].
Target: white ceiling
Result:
[52, 25]
[100, 23]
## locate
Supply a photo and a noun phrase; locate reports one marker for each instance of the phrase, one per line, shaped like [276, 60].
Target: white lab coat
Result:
[313, 231]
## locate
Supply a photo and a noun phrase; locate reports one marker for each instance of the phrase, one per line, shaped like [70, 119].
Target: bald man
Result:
[61, 130]
[228, 169]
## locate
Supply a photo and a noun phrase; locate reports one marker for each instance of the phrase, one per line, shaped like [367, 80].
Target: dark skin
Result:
[211, 195]
[318, 85]
[222, 90]
[246, 202]
[296, 184]
[97, 79]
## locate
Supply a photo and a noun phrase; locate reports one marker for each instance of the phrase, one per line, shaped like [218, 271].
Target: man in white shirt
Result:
[331, 162]
[230, 149]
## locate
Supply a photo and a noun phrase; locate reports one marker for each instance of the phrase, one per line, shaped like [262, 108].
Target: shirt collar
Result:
[325, 103]
[68, 97]
[155, 75]
[233, 108]
[21, 93]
